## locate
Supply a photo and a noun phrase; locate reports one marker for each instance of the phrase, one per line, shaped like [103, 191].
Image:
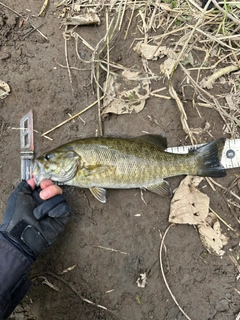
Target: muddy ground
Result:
[205, 285]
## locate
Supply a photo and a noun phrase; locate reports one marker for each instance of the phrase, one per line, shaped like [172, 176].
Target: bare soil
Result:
[112, 243]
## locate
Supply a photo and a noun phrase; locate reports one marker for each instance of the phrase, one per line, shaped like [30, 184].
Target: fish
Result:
[124, 163]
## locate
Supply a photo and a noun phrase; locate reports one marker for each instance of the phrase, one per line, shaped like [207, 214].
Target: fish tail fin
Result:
[208, 157]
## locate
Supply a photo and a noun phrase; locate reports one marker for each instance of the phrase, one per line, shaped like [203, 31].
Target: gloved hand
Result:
[33, 224]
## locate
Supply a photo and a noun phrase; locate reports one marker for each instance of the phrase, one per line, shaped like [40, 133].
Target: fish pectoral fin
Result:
[162, 188]
[95, 169]
[99, 194]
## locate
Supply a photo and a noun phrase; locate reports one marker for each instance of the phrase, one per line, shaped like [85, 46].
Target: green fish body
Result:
[124, 163]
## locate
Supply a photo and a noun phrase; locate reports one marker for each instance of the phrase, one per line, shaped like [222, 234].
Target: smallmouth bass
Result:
[124, 163]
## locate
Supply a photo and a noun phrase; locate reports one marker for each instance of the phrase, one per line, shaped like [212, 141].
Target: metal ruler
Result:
[27, 145]
[230, 155]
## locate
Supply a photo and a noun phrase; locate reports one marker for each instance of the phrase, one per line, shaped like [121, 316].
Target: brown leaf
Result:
[125, 94]
[211, 235]
[189, 205]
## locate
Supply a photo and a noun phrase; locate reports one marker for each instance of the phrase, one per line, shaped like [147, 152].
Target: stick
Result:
[163, 274]
[223, 221]
[73, 117]
[75, 291]
[130, 21]
[208, 83]
[111, 249]
[44, 8]
[66, 57]
[182, 112]
[220, 186]
[18, 14]
[225, 12]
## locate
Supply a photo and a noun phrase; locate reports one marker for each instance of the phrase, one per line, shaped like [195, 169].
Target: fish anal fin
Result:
[99, 194]
[162, 188]
[155, 139]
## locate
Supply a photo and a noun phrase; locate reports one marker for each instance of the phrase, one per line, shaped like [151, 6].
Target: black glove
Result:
[31, 223]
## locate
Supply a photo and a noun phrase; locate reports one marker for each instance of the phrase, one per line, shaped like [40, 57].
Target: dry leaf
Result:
[125, 94]
[211, 235]
[82, 19]
[4, 89]
[150, 52]
[189, 205]
[233, 101]
[167, 67]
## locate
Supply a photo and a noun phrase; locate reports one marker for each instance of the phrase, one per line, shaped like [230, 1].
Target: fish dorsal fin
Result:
[162, 188]
[155, 139]
[99, 194]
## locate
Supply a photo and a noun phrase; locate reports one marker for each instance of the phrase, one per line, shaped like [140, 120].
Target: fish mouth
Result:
[38, 173]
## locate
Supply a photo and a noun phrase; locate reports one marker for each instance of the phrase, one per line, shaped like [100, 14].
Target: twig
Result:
[18, 14]
[73, 68]
[210, 183]
[130, 20]
[213, 38]
[223, 221]
[153, 15]
[163, 273]
[224, 115]
[215, 64]
[220, 186]
[73, 117]
[194, 3]
[31, 31]
[75, 291]
[234, 261]
[44, 8]
[122, 16]
[101, 45]
[35, 28]
[172, 90]
[208, 83]
[66, 57]
[225, 12]
[183, 114]
[7, 7]
[167, 34]
[111, 249]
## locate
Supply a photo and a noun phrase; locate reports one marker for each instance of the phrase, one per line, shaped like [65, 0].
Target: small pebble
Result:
[222, 305]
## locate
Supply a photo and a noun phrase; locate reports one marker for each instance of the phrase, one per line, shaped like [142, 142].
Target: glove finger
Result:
[23, 187]
[48, 205]
[62, 210]
[36, 196]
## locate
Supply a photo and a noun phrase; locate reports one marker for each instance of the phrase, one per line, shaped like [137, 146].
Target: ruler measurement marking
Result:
[230, 156]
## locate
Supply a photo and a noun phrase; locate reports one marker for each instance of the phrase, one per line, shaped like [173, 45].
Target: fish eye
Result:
[48, 156]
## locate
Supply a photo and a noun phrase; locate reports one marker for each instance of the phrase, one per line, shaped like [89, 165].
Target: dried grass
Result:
[213, 32]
